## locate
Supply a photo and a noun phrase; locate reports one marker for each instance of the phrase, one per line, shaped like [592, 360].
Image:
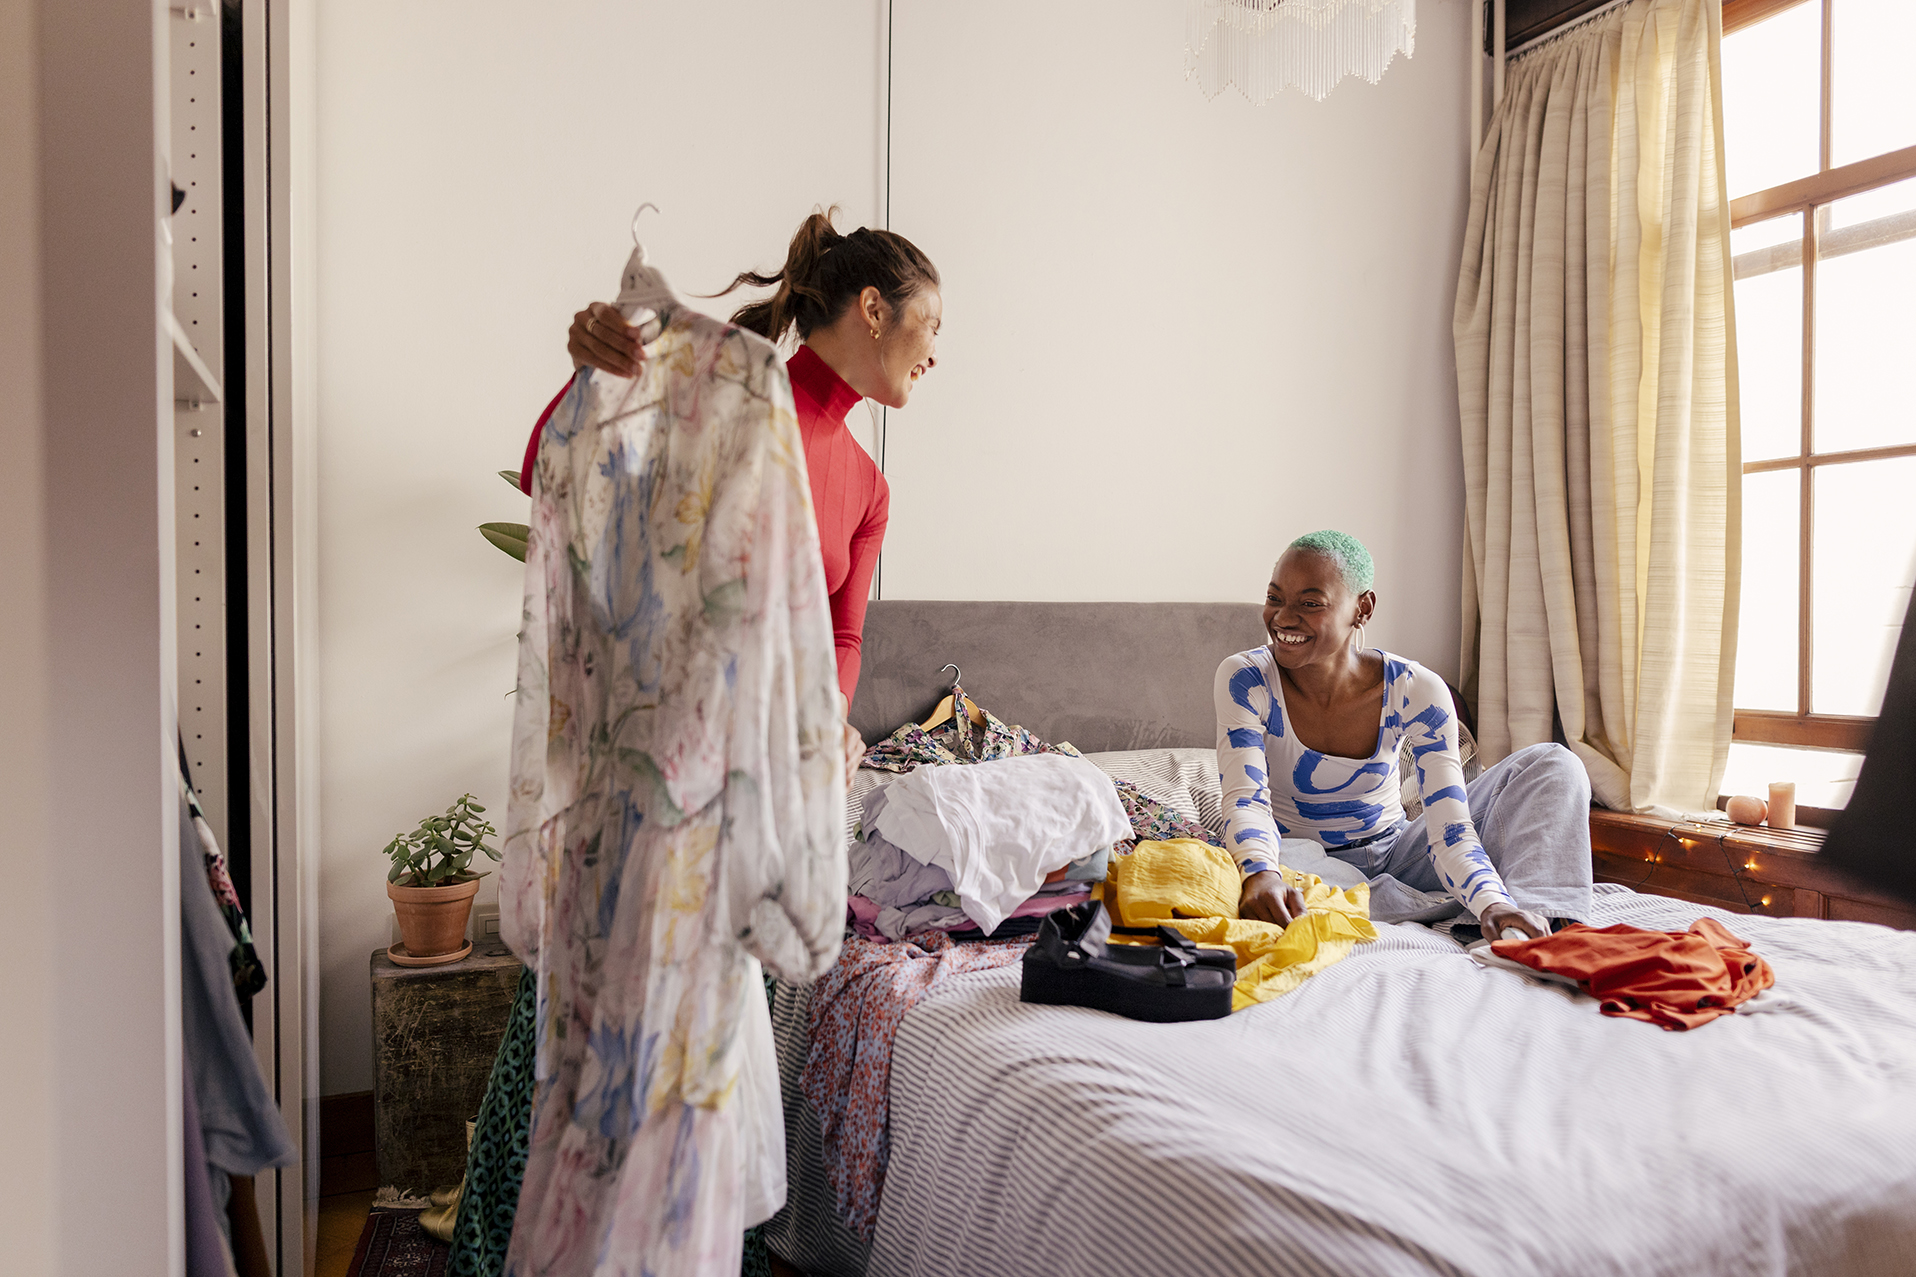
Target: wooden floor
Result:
[348, 1178]
[342, 1217]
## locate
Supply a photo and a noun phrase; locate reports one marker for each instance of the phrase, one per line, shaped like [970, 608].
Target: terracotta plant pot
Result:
[432, 920]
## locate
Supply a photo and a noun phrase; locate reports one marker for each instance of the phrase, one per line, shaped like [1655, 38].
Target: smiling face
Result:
[1309, 611]
[908, 348]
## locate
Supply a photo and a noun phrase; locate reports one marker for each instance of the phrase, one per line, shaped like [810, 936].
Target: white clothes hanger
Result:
[642, 287]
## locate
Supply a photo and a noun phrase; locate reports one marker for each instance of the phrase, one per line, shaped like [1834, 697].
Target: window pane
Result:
[1767, 260]
[1846, 215]
[1866, 321]
[1864, 554]
[1787, 229]
[1872, 95]
[1766, 627]
[1824, 777]
[1772, 99]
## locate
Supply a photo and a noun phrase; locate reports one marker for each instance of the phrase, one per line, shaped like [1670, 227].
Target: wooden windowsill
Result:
[1742, 868]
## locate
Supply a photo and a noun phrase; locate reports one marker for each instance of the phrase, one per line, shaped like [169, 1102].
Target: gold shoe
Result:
[444, 1215]
[440, 1220]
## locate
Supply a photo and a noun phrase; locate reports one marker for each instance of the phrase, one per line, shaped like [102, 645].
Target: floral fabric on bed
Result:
[855, 1013]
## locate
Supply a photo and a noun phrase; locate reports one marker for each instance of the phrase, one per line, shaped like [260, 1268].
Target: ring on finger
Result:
[590, 320]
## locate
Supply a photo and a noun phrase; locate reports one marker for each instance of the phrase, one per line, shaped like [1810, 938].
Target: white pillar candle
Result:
[1783, 805]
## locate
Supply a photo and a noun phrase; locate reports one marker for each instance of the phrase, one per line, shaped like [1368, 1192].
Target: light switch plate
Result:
[485, 924]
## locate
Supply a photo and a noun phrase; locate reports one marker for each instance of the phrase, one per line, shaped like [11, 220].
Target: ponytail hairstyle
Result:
[825, 272]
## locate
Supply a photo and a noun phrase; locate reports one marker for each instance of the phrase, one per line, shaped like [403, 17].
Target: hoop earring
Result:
[1360, 636]
[874, 334]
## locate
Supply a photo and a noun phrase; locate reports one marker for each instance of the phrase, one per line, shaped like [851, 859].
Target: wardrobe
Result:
[241, 589]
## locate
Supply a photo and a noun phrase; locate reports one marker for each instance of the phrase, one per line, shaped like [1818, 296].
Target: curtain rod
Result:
[1565, 29]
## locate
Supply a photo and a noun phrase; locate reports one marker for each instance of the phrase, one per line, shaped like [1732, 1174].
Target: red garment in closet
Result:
[850, 498]
[1678, 979]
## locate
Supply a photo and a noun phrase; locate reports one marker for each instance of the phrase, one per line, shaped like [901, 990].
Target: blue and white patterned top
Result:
[1274, 786]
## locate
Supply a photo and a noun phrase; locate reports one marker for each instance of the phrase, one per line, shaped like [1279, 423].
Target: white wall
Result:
[1178, 332]
[479, 164]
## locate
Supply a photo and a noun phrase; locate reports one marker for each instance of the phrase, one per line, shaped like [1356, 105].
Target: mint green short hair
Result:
[1352, 559]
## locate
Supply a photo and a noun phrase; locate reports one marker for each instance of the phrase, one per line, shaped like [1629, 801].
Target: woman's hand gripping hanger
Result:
[641, 288]
[610, 336]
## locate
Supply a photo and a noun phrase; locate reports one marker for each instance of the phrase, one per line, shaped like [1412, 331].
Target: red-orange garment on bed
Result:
[1678, 979]
[850, 498]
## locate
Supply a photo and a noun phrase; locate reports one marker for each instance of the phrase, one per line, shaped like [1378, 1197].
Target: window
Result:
[1820, 149]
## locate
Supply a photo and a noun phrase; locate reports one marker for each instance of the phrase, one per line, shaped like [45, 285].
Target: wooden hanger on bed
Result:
[948, 706]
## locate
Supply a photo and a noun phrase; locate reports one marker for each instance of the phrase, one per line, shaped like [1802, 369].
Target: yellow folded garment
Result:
[1194, 887]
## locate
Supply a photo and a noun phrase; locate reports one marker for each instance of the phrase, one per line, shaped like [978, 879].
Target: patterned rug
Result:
[394, 1245]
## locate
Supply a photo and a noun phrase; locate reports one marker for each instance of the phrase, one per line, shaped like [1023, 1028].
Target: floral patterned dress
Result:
[677, 803]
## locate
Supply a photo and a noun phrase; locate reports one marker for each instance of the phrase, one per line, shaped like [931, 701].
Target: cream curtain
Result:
[1596, 370]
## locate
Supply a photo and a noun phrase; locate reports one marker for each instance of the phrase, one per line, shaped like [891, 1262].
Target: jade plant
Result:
[510, 537]
[439, 852]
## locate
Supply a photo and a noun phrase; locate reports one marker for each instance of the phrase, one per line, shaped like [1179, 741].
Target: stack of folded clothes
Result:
[984, 850]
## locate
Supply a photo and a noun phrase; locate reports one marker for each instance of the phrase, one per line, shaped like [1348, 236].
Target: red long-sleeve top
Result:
[850, 498]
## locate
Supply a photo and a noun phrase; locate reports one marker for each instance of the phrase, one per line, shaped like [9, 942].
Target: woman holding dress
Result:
[866, 310]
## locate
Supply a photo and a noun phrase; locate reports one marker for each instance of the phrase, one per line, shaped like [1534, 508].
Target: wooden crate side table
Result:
[435, 1032]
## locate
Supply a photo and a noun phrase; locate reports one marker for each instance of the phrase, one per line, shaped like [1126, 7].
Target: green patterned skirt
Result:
[496, 1163]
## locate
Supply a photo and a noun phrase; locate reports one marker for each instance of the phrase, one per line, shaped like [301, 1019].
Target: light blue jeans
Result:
[1532, 813]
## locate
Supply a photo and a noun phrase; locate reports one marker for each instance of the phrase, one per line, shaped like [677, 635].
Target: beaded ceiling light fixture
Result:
[1264, 46]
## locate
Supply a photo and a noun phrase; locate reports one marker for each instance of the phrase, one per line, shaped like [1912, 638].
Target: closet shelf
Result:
[193, 381]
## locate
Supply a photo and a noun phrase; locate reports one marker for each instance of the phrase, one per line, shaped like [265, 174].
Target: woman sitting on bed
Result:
[1309, 728]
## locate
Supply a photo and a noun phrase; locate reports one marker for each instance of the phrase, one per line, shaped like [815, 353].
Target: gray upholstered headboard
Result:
[1100, 675]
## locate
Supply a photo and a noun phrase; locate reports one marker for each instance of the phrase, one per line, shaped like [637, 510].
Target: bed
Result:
[1405, 1111]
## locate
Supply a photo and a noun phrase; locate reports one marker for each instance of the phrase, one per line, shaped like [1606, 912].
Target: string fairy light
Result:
[1691, 838]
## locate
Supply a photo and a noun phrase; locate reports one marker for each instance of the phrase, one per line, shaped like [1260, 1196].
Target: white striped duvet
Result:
[1409, 1112]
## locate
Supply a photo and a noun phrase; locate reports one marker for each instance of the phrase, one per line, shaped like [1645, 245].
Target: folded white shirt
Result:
[999, 827]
